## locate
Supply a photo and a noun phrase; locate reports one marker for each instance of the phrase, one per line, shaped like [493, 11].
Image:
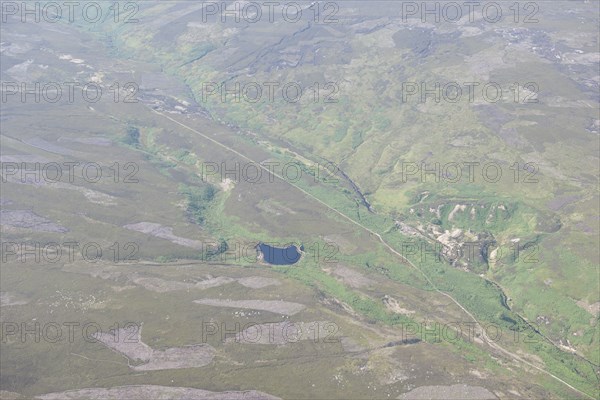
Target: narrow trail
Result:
[487, 340]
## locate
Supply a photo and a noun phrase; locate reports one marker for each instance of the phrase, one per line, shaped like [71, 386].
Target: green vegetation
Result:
[132, 136]
[198, 200]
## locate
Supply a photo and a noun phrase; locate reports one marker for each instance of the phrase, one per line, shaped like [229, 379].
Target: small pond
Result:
[280, 255]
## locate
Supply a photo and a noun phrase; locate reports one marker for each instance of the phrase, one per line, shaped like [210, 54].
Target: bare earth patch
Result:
[393, 305]
[350, 345]
[258, 282]
[50, 147]
[6, 395]
[155, 392]
[23, 158]
[92, 195]
[164, 232]
[457, 208]
[341, 241]
[279, 333]
[227, 184]
[275, 306]
[30, 220]
[593, 309]
[94, 141]
[452, 392]
[160, 285]
[352, 278]
[10, 299]
[129, 344]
